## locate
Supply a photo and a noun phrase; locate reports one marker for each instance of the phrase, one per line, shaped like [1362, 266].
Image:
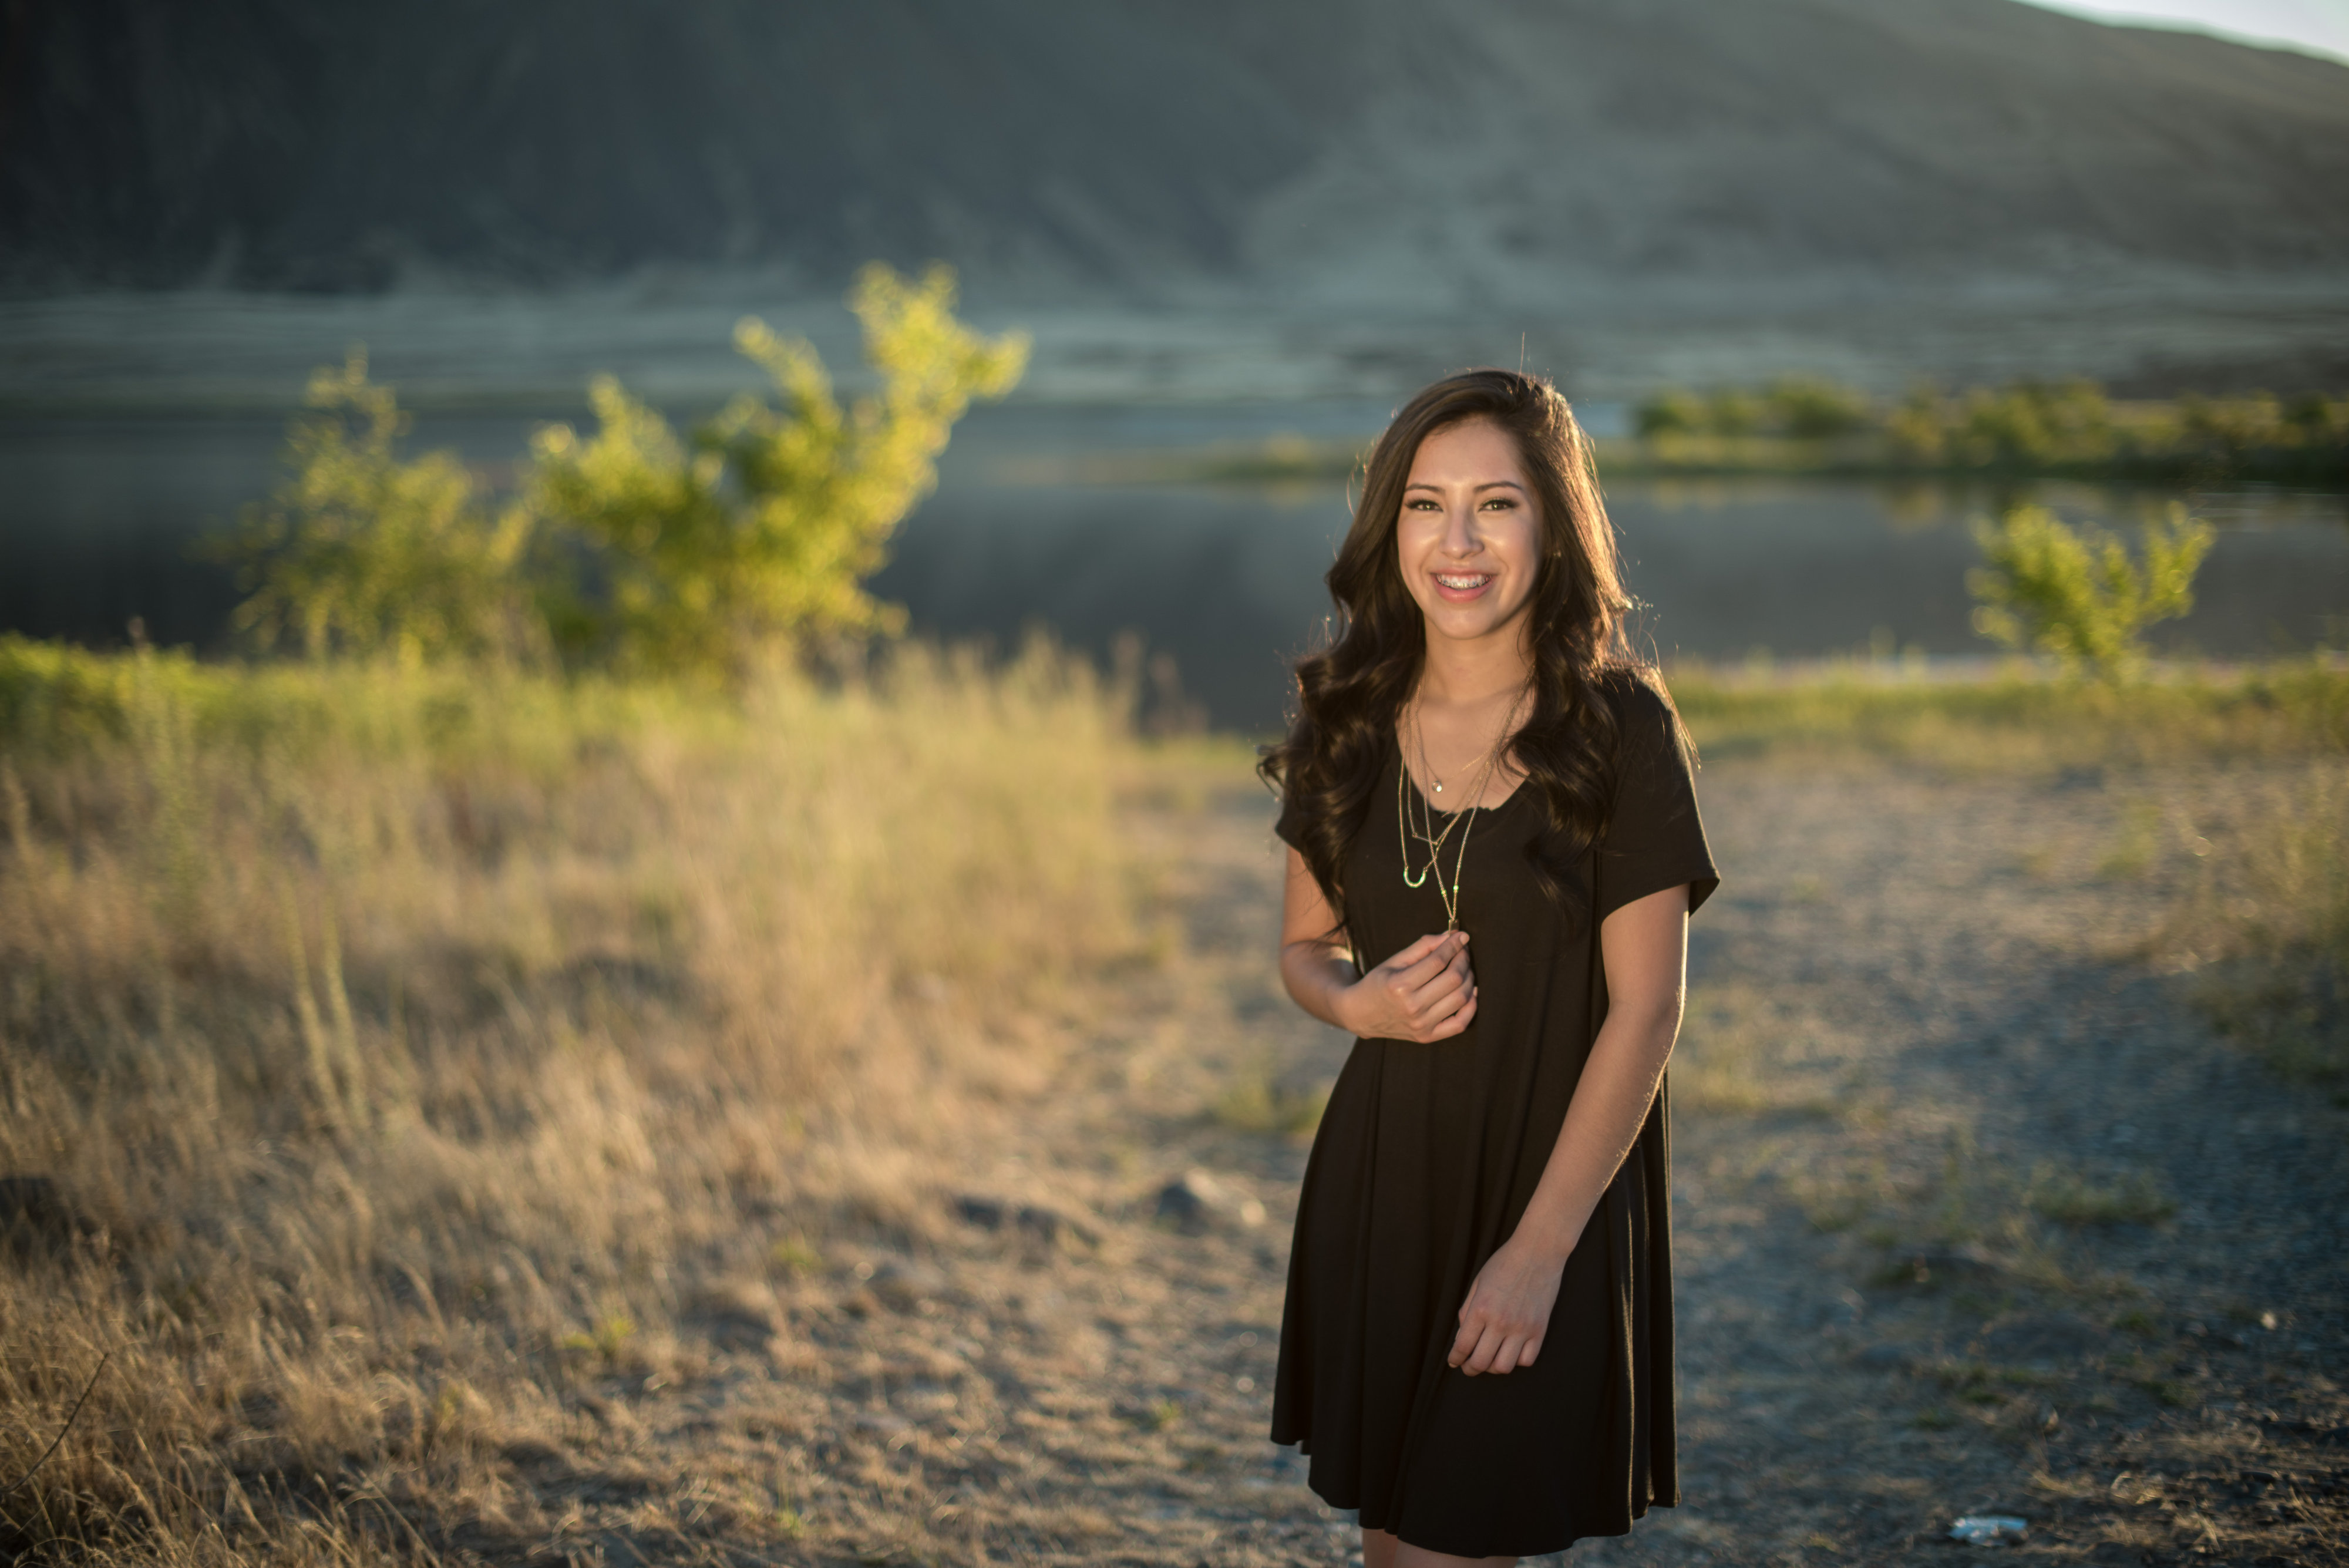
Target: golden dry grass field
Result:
[452, 1118]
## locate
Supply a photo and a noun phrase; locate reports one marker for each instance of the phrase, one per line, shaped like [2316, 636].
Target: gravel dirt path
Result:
[1973, 1215]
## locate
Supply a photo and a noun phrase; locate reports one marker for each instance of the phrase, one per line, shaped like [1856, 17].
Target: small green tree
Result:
[683, 556]
[2075, 594]
[361, 551]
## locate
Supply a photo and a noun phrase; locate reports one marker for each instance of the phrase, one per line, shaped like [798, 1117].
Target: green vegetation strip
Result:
[2019, 718]
[1805, 426]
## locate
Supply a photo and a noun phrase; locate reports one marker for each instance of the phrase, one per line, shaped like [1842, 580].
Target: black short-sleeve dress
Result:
[1426, 1158]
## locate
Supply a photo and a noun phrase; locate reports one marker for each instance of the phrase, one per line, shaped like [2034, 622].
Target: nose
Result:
[1460, 536]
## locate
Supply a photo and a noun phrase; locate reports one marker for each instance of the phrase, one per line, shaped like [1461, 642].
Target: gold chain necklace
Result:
[1436, 843]
[1466, 821]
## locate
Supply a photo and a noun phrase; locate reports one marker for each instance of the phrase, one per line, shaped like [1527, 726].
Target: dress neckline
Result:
[1515, 790]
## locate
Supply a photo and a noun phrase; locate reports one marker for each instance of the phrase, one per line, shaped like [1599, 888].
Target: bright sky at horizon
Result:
[2311, 26]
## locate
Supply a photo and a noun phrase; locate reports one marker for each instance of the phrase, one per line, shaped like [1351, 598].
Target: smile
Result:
[1463, 582]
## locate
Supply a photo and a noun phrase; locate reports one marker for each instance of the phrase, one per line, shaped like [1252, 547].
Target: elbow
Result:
[1299, 962]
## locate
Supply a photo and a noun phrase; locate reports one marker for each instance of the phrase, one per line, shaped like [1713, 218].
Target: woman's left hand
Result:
[1507, 1311]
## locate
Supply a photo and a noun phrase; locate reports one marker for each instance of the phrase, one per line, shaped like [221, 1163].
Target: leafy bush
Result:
[362, 551]
[684, 556]
[2075, 594]
[634, 548]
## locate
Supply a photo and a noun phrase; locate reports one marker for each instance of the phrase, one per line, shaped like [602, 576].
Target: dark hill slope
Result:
[1430, 151]
[1513, 147]
[326, 147]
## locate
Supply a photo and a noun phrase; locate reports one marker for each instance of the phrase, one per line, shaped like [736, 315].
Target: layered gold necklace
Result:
[1423, 828]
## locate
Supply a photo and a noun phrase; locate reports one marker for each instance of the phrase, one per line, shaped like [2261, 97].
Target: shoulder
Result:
[1642, 708]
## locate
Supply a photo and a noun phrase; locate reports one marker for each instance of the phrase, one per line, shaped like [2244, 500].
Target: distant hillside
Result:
[1431, 151]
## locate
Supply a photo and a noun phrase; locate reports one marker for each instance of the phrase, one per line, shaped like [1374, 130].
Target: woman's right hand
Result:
[1425, 993]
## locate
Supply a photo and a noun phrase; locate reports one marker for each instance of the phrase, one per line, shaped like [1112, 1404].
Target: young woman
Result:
[1493, 851]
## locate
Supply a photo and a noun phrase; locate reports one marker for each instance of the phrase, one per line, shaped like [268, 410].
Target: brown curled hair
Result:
[1348, 696]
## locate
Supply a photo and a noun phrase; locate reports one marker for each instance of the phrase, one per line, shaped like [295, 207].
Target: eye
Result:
[1421, 503]
[1501, 502]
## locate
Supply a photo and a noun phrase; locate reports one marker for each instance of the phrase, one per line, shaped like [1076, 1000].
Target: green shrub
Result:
[686, 557]
[634, 548]
[362, 551]
[2075, 594]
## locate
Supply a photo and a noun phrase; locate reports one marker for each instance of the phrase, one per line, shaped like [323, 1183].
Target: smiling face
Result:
[1468, 540]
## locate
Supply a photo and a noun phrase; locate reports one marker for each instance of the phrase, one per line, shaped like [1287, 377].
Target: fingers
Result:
[1428, 984]
[1457, 1024]
[1421, 949]
[1426, 959]
[1498, 1353]
[1492, 1337]
[1447, 1003]
[1470, 1343]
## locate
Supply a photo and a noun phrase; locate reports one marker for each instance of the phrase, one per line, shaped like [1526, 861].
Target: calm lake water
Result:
[97, 517]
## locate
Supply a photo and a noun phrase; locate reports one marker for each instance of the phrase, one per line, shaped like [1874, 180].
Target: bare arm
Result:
[1425, 993]
[1644, 946]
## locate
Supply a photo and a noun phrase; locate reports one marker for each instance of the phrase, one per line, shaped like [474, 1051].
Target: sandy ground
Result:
[1917, 1012]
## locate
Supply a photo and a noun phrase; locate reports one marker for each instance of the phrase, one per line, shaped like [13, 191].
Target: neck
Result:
[1462, 674]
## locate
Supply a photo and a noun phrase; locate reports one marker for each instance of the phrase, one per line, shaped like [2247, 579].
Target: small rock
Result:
[904, 1285]
[739, 1313]
[1046, 1224]
[1990, 1530]
[987, 1213]
[1199, 1201]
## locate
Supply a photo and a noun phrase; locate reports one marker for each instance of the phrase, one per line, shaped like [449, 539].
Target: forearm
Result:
[1317, 974]
[1611, 1104]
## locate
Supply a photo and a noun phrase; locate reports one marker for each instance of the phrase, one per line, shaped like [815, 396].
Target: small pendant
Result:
[1439, 789]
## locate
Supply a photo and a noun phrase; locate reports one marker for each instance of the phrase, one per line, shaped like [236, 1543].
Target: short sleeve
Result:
[1654, 837]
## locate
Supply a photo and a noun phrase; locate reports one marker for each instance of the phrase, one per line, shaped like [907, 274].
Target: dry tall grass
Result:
[2017, 720]
[2266, 929]
[387, 1059]
[397, 1048]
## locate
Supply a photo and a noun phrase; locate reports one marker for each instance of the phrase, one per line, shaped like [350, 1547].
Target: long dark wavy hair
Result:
[1349, 695]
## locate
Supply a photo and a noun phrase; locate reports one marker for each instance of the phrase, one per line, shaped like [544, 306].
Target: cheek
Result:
[1521, 543]
[1415, 538]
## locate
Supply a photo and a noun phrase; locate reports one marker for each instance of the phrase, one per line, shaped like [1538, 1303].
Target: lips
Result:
[1461, 586]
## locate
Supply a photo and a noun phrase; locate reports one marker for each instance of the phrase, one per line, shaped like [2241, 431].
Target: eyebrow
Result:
[1487, 484]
